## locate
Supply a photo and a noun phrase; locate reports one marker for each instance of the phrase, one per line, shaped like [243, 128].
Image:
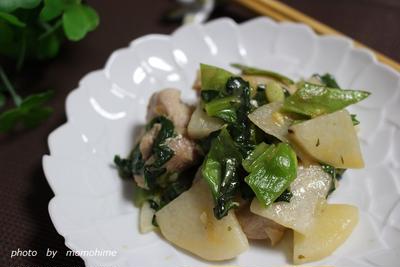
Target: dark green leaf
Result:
[11, 19]
[140, 195]
[8, 40]
[223, 108]
[270, 179]
[286, 196]
[329, 81]
[220, 170]
[35, 116]
[30, 113]
[354, 119]
[213, 78]
[36, 100]
[9, 119]
[314, 100]
[259, 72]
[54, 8]
[48, 47]
[78, 20]
[336, 175]
[2, 100]
[11, 5]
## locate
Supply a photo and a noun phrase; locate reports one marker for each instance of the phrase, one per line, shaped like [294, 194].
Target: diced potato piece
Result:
[331, 228]
[201, 125]
[188, 222]
[146, 218]
[330, 139]
[309, 191]
[269, 119]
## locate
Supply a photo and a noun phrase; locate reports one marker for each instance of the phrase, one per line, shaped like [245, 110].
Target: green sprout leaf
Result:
[12, 19]
[11, 5]
[29, 113]
[78, 20]
[2, 100]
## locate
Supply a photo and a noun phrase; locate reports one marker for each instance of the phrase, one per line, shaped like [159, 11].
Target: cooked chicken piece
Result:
[139, 179]
[147, 141]
[186, 154]
[168, 103]
[257, 227]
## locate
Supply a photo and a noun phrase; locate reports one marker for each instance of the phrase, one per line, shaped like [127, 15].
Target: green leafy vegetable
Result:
[275, 92]
[213, 78]
[160, 151]
[329, 81]
[354, 119]
[270, 179]
[220, 170]
[259, 72]
[313, 100]
[223, 108]
[130, 166]
[286, 196]
[335, 173]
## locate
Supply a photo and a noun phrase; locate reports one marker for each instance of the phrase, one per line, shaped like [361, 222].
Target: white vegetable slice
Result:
[146, 218]
[309, 191]
[332, 227]
[201, 125]
[188, 222]
[269, 119]
[330, 139]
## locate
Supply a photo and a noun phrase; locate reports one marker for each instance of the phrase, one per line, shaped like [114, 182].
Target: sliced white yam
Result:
[188, 222]
[201, 125]
[330, 139]
[309, 191]
[269, 119]
[331, 228]
[146, 218]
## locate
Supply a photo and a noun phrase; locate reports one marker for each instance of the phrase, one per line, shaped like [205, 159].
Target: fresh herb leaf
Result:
[220, 170]
[78, 20]
[11, 19]
[54, 8]
[2, 100]
[270, 179]
[313, 100]
[259, 72]
[29, 113]
[11, 5]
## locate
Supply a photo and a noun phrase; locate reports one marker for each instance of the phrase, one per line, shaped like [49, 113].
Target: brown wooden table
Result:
[24, 192]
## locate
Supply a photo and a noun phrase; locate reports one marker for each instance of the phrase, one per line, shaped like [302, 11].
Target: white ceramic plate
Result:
[92, 206]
